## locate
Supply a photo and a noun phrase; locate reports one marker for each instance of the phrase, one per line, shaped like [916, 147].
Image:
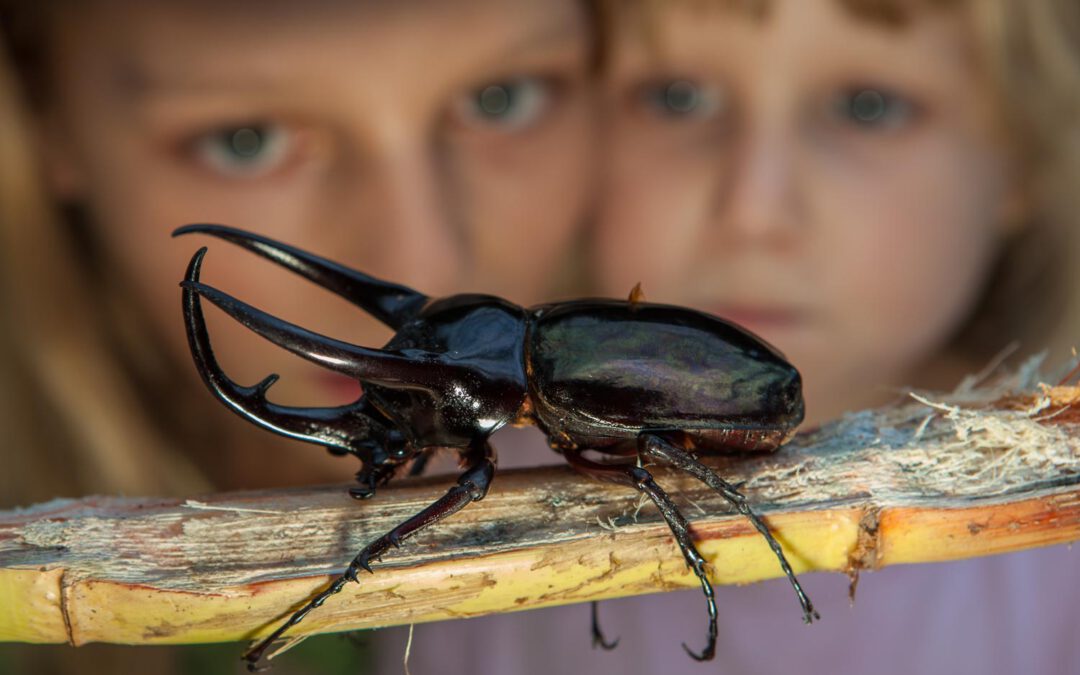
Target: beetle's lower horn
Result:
[338, 428]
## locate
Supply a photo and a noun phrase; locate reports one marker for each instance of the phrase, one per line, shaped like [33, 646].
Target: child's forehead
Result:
[923, 40]
[885, 12]
[150, 46]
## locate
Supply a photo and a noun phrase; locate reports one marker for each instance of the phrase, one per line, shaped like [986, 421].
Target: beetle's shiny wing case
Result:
[604, 368]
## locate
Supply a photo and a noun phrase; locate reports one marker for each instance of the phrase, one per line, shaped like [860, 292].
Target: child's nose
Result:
[404, 221]
[760, 198]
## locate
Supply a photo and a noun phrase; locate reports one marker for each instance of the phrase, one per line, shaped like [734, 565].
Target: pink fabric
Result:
[1011, 614]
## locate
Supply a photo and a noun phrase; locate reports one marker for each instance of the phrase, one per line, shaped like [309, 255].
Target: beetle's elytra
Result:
[623, 378]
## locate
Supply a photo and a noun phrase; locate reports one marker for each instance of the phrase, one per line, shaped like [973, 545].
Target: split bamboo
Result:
[932, 478]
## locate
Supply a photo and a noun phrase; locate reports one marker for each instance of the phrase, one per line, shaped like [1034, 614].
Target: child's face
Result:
[834, 184]
[439, 145]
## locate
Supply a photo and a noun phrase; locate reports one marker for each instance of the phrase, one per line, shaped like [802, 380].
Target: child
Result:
[441, 145]
[390, 137]
[878, 188]
[850, 180]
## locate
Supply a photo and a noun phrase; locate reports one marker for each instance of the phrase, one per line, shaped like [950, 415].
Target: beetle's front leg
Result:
[472, 485]
[381, 455]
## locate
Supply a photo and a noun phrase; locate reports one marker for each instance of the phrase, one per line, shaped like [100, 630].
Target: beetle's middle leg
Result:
[656, 447]
[642, 480]
[471, 486]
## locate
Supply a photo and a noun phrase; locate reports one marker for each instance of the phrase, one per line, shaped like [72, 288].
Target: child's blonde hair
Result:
[73, 422]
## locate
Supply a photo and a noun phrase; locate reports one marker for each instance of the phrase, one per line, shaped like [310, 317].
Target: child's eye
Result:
[681, 99]
[871, 108]
[244, 151]
[511, 106]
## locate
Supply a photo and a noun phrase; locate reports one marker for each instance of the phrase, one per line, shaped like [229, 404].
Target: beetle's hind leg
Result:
[658, 448]
[471, 486]
[642, 480]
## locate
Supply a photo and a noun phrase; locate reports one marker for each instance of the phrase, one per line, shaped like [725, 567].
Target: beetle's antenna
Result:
[392, 304]
[662, 450]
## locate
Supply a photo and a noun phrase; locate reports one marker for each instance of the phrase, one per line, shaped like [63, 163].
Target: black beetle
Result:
[620, 377]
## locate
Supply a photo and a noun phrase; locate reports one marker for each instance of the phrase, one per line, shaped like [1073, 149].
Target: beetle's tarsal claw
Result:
[705, 655]
[598, 639]
[361, 492]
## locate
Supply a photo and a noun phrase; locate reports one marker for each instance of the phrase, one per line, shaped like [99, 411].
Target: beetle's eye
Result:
[244, 151]
[681, 99]
[511, 105]
[871, 108]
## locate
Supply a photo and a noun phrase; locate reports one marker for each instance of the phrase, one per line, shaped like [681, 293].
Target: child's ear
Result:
[64, 173]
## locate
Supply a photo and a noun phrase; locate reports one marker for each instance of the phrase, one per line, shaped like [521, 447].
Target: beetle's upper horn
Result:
[390, 303]
[391, 368]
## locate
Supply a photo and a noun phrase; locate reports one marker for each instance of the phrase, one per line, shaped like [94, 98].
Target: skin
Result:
[855, 234]
[372, 147]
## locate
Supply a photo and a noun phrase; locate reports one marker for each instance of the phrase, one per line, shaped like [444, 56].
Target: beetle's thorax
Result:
[481, 338]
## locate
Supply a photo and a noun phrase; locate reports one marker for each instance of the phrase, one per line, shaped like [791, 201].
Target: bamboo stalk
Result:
[920, 481]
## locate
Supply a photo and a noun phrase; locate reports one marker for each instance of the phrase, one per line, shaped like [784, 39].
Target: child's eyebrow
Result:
[548, 37]
[134, 82]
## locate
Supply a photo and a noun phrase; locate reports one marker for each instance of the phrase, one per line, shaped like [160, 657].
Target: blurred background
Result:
[883, 189]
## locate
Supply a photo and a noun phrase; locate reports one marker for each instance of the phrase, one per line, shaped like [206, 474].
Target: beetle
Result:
[630, 380]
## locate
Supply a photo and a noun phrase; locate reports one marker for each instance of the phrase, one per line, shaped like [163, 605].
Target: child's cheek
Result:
[913, 252]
